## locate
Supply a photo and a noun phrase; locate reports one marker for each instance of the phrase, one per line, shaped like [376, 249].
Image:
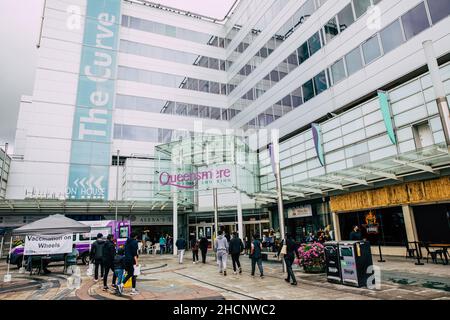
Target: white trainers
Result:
[134, 292]
[234, 272]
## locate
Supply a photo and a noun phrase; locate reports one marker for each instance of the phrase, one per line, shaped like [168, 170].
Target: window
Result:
[308, 90]
[338, 71]
[331, 30]
[345, 17]
[353, 61]
[391, 36]
[423, 135]
[320, 83]
[303, 53]
[439, 9]
[314, 43]
[415, 21]
[361, 7]
[123, 232]
[371, 49]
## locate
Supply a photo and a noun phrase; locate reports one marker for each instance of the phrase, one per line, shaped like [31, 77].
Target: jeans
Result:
[118, 274]
[290, 272]
[235, 260]
[98, 262]
[222, 256]
[162, 248]
[129, 268]
[105, 273]
[194, 255]
[204, 255]
[180, 255]
[260, 266]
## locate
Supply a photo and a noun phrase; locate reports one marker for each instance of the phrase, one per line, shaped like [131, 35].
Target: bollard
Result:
[381, 254]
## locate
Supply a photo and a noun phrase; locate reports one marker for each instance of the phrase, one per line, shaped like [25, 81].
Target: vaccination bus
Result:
[121, 230]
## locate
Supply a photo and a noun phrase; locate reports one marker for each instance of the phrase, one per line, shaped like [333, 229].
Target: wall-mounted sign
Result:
[371, 223]
[300, 212]
[151, 220]
[217, 177]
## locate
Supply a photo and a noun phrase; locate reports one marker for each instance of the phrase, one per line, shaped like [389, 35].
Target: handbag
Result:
[137, 270]
[90, 270]
[284, 249]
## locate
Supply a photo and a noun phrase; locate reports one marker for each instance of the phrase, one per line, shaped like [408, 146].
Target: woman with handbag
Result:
[289, 250]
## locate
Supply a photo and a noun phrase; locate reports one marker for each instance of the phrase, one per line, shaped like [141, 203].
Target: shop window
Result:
[423, 136]
[415, 21]
[439, 9]
[433, 223]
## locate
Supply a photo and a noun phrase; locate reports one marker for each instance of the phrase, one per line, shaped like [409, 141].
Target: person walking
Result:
[256, 255]
[236, 247]
[96, 255]
[203, 245]
[162, 244]
[119, 268]
[248, 245]
[131, 259]
[194, 248]
[290, 250]
[221, 249]
[355, 234]
[181, 246]
[109, 251]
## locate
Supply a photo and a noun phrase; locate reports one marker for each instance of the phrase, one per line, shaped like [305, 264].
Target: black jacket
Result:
[203, 245]
[181, 244]
[292, 249]
[131, 250]
[97, 250]
[109, 251]
[236, 246]
[119, 262]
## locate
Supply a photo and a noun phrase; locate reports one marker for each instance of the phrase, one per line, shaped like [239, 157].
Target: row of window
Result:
[173, 81]
[401, 30]
[148, 134]
[283, 33]
[347, 16]
[171, 107]
[175, 32]
[160, 53]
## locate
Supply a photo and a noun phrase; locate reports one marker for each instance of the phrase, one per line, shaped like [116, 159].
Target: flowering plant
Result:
[312, 255]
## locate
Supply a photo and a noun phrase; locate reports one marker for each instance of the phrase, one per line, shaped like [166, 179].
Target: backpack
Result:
[99, 250]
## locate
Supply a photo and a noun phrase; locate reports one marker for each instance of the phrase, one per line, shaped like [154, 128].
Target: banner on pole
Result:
[48, 244]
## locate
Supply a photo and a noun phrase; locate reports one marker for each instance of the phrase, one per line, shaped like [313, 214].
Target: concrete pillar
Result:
[239, 215]
[410, 225]
[337, 229]
[175, 219]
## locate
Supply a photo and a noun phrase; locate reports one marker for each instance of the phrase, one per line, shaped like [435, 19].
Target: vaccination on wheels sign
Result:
[48, 244]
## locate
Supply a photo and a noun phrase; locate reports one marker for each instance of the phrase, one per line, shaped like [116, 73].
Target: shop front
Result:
[154, 225]
[395, 215]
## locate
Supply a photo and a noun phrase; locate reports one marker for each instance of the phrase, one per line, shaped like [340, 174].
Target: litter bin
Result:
[355, 258]
[332, 262]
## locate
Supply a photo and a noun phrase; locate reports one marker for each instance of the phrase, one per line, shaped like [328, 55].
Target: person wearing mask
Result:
[131, 259]
[203, 245]
[96, 255]
[236, 247]
[119, 268]
[221, 249]
[109, 251]
[256, 256]
[291, 249]
[355, 234]
[162, 244]
[181, 247]
[194, 248]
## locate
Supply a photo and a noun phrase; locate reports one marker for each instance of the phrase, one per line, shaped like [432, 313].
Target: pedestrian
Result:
[248, 245]
[290, 250]
[355, 234]
[169, 246]
[162, 244]
[227, 236]
[203, 245]
[119, 267]
[310, 238]
[256, 256]
[221, 249]
[96, 255]
[109, 251]
[181, 247]
[194, 248]
[131, 260]
[236, 248]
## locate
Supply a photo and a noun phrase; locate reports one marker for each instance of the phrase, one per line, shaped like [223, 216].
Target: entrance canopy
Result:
[55, 224]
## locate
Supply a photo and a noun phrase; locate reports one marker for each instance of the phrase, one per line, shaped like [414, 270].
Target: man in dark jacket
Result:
[289, 257]
[203, 245]
[131, 259]
[181, 247]
[109, 251]
[96, 255]
[236, 247]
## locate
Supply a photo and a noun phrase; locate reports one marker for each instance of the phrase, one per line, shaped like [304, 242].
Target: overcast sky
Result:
[19, 32]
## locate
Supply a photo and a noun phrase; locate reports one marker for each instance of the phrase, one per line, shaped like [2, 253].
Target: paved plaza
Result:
[163, 278]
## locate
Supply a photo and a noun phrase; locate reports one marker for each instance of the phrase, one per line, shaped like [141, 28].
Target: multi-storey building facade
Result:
[132, 76]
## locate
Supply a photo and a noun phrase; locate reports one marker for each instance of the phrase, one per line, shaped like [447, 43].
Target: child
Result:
[119, 267]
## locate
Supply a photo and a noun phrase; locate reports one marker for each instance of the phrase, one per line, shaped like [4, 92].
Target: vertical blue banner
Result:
[92, 125]
[317, 137]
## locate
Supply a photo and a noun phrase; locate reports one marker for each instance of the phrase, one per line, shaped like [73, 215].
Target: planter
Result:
[314, 269]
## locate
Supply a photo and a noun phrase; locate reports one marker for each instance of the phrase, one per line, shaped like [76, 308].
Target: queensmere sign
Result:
[91, 134]
[220, 176]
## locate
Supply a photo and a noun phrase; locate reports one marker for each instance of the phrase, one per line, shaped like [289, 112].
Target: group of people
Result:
[322, 236]
[107, 257]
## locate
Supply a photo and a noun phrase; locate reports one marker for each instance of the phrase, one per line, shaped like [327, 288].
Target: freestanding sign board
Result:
[48, 244]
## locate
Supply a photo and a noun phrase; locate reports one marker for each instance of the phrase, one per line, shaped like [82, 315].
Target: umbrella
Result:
[55, 224]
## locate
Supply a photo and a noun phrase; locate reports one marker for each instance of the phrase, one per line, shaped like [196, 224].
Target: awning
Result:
[55, 224]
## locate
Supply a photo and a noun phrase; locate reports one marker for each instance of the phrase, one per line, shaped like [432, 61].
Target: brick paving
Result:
[163, 278]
